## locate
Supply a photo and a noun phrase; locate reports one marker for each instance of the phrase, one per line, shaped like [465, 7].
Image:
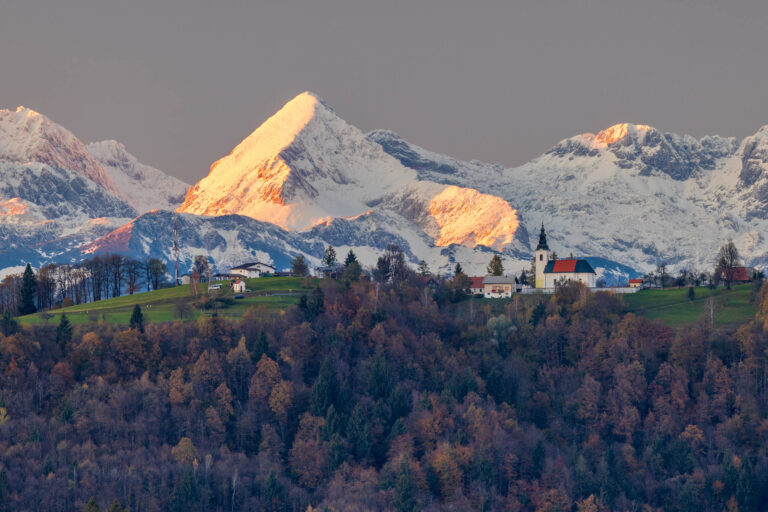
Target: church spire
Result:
[542, 240]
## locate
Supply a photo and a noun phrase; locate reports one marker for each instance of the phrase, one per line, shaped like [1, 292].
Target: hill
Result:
[729, 308]
[180, 302]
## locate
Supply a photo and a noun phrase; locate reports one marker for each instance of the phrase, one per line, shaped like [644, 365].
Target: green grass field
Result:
[274, 293]
[673, 308]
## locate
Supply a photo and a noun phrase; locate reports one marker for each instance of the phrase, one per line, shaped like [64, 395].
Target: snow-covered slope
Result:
[56, 194]
[629, 194]
[28, 136]
[307, 167]
[143, 187]
[302, 166]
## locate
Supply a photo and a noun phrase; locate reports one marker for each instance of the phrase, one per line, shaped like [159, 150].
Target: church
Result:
[550, 271]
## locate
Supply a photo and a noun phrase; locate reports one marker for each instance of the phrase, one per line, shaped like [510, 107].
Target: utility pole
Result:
[175, 250]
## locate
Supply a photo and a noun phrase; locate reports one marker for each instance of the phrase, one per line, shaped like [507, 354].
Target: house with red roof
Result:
[635, 283]
[476, 285]
[740, 274]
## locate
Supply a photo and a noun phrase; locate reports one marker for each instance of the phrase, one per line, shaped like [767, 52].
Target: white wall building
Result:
[253, 270]
[550, 272]
[498, 287]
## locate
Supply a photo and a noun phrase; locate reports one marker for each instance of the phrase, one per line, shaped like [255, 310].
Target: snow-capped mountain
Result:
[305, 167]
[629, 194]
[629, 197]
[57, 194]
[28, 136]
[143, 187]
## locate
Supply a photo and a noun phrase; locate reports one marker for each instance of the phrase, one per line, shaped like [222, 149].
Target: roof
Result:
[246, 266]
[636, 280]
[568, 267]
[499, 280]
[542, 240]
[742, 274]
[475, 282]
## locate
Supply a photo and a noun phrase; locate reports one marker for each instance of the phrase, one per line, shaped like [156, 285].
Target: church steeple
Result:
[542, 240]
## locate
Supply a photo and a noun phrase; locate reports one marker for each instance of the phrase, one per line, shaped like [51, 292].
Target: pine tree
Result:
[523, 277]
[92, 506]
[424, 269]
[329, 259]
[63, 332]
[495, 267]
[28, 290]
[458, 270]
[8, 325]
[299, 266]
[116, 507]
[351, 258]
[137, 319]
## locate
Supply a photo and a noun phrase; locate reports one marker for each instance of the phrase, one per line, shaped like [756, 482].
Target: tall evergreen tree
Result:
[424, 269]
[137, 319]
[8, 325]
[92, 506]
[351, 258]
[458, 270]
[63, 332]
[299, 266]
[329, 259]
[28, 290]
[495, 267]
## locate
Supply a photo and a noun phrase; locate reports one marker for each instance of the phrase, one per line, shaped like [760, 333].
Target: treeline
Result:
[60, 285]
[390, 395]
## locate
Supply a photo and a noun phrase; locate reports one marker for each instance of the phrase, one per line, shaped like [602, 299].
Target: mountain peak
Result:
[618, 132]
[303, 154]
[28, 136]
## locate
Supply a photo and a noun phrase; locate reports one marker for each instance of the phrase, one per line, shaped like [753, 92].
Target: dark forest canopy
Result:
[390, 397]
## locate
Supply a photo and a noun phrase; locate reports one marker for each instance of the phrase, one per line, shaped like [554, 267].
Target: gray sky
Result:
[180, 82]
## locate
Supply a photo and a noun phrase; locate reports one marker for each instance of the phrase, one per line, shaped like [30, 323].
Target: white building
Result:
[550, 272]
[238, 286]
[497, 287]
[252, 270]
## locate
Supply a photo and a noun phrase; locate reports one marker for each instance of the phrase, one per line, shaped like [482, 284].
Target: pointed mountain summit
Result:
[301, 167]
[28, 136]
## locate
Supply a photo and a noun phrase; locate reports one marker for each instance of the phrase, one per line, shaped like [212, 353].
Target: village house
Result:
[549, 272]
[253, 270]
[331, 272]
[635, 283]
[740, 275]
[497, 287]
[238, 286]
[476, 285]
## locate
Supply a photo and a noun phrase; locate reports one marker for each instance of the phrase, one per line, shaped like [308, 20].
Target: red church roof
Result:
[475, 282]
[565, 266]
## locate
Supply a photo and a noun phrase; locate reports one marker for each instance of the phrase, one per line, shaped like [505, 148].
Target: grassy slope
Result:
[160, 305]
[672, 307]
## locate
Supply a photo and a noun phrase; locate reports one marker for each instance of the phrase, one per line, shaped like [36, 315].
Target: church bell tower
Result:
[542, 257]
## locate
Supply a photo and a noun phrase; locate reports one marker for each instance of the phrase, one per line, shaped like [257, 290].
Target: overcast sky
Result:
[180, 82]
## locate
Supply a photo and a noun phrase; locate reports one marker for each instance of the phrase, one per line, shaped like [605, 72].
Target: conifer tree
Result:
[28, 290]
[495, 267]
[330, 256]
[424, 269]
[458, 270]
[8, 325]
[63, 332]
[299, 266]
[137, 319]
[92, 506]
[351, 258]
[116, 507]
